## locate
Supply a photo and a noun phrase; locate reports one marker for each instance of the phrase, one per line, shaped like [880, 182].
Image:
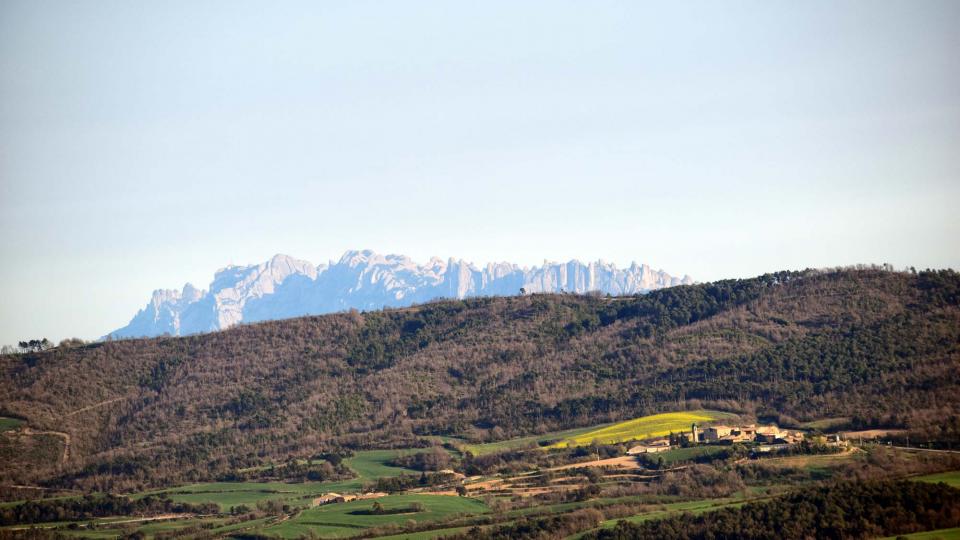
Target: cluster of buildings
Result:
[770, 437]
[770, 434]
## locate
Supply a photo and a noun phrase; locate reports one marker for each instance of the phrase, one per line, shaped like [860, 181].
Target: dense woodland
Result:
[879, 347]
[89, 506]
[843, 510]
[840, 510]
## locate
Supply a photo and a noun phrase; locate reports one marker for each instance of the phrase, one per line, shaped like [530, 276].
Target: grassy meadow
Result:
[348, 519]
[368, 465]
[825, 424]
[940, 534]
[951, 478]
[425, 535]
[7, 424]
[519, 442]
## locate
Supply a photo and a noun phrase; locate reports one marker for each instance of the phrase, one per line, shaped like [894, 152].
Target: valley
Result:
[479, 270]
[537, 416]
[563, 473]
[537, 483]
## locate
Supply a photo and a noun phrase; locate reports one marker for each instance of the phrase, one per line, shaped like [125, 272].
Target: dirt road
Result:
[94, 406]
[62, 435]
[621, 462]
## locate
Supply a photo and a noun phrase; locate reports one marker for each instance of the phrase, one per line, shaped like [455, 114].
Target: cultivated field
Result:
[645, 427]
[348, 519]
[425, 535]
[369, 465]
[824, 424]
[9, 423]
[686, 454]
[519, 442]
[500, 497]
[951, 478]
[940, 534]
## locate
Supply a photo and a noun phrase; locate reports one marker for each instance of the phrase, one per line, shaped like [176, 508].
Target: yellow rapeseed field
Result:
[656, 425]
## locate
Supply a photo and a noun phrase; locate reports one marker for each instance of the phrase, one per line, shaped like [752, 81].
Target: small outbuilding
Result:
[652, 447]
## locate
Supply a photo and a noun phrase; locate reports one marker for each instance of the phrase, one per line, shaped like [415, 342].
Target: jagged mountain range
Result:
[286, 287]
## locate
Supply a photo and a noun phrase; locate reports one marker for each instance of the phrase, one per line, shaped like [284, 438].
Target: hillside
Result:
[285, 287]
[879, 347]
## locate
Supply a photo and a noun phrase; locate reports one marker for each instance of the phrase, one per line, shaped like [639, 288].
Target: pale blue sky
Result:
[146, 144]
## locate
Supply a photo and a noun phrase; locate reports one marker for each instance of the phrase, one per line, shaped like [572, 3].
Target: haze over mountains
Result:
[286, 287]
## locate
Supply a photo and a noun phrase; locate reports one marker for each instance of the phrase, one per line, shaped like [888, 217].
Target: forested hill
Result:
[880, 347]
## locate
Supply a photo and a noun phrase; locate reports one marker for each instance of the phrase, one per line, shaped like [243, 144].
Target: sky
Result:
[147, 144]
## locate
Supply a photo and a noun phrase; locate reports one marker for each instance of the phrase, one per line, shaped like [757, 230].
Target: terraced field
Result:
[821, 463]
[686, 454]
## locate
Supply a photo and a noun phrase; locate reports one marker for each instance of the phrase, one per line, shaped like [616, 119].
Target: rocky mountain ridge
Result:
[286, 287]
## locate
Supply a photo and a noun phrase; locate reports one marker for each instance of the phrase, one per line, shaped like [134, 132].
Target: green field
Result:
[951, 478]
[825, 423]
[369, 465]
[519, 442]
[645, 427]
[253, 523]
[372, 464]
[668, 509]
[425, 535]
[119, 526]
[348, 519]
[939, 534]
[7, 424]
[694, 507]
[242, 493]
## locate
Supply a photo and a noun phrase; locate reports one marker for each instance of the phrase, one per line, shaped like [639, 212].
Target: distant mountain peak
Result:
[285, 286]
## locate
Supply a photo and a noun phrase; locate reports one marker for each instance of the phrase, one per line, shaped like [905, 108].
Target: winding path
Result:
[62, 435]
[94, 406]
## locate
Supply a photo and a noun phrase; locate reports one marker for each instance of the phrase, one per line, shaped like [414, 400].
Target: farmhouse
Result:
[836, 440]
[792, 437]
[768, 434]
[652, 447]
[716, 433]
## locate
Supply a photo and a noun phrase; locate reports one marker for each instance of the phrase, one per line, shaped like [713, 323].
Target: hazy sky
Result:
[146, 144]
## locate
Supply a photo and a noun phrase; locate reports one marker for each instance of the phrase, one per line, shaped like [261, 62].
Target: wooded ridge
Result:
[879, 347]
